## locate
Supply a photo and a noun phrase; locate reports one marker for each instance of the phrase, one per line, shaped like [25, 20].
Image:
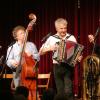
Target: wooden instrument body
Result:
[28, 75]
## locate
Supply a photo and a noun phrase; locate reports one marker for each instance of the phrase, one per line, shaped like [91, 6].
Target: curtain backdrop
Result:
[83, 18]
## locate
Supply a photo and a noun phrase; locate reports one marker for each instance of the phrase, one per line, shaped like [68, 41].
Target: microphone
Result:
[97, 31]
[1, 59]
[12, 43]
[47, 36]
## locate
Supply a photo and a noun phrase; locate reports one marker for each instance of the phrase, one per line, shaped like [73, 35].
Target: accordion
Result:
[68, 52]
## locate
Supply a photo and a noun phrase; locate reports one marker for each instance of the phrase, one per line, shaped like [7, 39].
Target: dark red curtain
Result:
[83, 18]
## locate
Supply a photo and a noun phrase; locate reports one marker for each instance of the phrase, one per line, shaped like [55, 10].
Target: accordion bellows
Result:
[68, 52]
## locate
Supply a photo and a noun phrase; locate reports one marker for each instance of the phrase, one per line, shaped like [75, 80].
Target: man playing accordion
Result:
[62, 70]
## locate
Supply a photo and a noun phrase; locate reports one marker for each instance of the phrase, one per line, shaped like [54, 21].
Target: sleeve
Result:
[73, 38]
[35, 52]
[46, 46]
[9, 57]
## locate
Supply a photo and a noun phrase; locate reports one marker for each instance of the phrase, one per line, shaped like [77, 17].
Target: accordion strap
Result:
[56, 36]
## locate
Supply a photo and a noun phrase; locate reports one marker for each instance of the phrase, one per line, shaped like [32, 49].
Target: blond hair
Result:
[16, 29]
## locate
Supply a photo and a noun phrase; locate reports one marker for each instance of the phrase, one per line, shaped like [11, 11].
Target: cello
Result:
[27, 64]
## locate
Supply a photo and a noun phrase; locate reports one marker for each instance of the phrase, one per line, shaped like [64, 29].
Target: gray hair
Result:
[61, 21]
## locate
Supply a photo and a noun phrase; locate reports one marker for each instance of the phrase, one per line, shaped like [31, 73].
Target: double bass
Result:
[27, 64]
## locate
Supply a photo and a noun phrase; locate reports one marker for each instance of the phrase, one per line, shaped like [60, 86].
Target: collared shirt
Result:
[14, 53]
[52, 40]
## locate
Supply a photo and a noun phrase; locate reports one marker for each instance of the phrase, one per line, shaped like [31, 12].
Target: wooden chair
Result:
[43, 78]
[7, 76]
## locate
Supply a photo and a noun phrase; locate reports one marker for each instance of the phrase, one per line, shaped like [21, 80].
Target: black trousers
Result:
[63, 79]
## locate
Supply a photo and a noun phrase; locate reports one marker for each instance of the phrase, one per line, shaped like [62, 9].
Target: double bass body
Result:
[27, 74]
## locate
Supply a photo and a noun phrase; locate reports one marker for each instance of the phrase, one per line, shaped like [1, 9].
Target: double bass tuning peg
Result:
[32, 16]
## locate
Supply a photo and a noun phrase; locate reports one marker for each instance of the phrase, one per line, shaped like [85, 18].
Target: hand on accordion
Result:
[79, 58]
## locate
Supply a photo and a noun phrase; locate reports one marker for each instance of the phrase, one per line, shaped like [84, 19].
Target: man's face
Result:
[20, 35]
[61, 29]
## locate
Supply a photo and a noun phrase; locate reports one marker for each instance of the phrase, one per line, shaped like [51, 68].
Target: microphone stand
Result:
[45, 37]
[4, 65]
